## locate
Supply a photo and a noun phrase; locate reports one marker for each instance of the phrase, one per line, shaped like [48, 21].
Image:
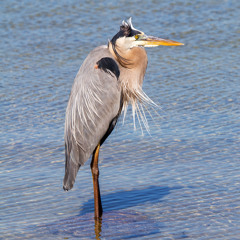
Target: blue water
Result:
[182, 181]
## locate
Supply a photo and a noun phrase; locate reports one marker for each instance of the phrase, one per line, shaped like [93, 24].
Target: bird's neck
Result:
[132, 64]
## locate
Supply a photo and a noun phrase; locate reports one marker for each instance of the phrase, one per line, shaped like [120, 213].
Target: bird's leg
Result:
[96, 189]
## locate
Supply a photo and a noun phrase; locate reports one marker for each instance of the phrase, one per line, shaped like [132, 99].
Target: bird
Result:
[109, 79]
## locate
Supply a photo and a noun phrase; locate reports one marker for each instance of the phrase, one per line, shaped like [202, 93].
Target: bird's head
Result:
[129, 37]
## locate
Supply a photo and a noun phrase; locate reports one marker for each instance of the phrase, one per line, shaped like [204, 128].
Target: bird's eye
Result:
[136, 36]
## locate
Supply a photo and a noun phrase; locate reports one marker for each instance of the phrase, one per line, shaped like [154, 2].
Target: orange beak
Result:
[149, 41]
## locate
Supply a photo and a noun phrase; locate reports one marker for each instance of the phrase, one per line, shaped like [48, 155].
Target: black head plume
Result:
[126, 30]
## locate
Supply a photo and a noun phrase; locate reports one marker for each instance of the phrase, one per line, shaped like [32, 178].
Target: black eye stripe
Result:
[127, 31]
[133, 33]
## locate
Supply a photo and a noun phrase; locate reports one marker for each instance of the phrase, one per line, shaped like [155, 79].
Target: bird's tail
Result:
[71, 170]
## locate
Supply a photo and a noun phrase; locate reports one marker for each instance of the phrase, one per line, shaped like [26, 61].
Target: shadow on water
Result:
[126, 199]
[118, 221]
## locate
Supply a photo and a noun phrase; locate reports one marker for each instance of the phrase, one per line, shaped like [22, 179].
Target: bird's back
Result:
[93, 103]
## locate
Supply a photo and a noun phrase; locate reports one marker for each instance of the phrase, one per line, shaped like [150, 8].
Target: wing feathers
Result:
[94, 102]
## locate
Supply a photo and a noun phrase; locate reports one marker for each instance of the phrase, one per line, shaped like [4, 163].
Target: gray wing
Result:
[94, 102]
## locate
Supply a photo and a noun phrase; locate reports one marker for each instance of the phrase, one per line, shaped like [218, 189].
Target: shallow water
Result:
[182, 181]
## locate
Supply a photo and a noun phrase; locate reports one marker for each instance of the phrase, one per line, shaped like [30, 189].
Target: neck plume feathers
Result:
[132, 65]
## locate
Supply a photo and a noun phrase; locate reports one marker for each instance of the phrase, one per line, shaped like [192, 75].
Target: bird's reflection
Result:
[110, 226]
[98, 228]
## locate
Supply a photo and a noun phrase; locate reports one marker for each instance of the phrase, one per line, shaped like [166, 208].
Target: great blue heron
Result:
[109, 79]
